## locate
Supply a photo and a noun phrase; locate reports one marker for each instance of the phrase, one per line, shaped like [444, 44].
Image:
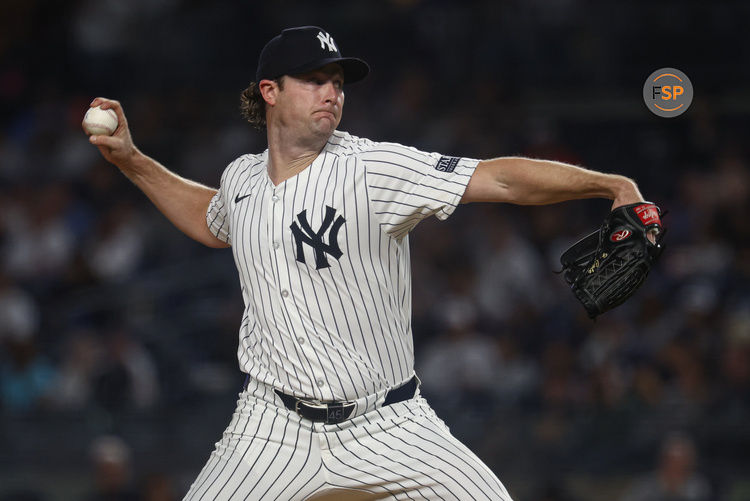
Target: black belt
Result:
[336, 412]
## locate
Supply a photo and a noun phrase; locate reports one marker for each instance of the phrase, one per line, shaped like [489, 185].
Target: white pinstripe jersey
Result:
[324, 264]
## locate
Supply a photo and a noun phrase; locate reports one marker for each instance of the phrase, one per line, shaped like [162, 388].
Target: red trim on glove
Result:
[648, 213]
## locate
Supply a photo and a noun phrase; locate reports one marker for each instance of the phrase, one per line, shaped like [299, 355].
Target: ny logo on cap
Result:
[326, 39]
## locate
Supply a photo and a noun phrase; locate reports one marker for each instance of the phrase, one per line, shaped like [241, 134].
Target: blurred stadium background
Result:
[118, 333]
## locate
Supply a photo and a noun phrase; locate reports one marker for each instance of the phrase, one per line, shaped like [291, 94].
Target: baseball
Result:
[100, 122]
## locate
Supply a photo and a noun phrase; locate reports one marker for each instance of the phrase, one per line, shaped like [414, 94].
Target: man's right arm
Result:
[182, 201]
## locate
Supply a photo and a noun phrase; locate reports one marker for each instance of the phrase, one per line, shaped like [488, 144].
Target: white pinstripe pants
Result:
[400, 451]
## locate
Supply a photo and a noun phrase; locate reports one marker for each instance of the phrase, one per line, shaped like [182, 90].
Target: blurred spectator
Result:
[38, 243]
[460, 362]
[115, 248]
[26, 377]
[12, 159]
[128, 379]
[459, 367]
[732, 396]
[19, 312]
[112, 470]
[675, 477]
[517, 375]
[510, 270]
[158, 487]
[81, 360]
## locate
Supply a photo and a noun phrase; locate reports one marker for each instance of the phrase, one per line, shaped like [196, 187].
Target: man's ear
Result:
[269, 89]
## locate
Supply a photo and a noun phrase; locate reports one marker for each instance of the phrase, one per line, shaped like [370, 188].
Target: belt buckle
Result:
[312, 404]
[335, 413]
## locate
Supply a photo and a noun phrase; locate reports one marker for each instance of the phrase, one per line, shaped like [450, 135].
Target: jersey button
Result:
[301, 340]
[320, 382]
[285, 293]
[276, 245]
[274, 198]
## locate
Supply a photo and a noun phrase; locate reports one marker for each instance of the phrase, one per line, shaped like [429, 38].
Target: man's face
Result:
[312, 102]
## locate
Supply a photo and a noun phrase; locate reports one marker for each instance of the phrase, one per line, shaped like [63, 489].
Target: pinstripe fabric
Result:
[401, 451]
[325, 274]
[344, 331]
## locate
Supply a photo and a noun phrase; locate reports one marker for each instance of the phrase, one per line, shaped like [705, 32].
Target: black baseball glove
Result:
[607, 267]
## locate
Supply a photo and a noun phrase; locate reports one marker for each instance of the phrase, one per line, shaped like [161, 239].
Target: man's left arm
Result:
[525, 181]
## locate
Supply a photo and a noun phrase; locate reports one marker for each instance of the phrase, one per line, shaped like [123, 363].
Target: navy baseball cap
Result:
[303, 49]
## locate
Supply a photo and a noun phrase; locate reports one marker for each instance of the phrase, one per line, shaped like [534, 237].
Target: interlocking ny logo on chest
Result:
[304, 234]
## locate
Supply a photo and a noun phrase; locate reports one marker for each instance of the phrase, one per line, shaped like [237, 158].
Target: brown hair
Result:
[253, 106]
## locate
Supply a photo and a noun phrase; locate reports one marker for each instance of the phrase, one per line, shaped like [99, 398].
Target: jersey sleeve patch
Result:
[447, 164]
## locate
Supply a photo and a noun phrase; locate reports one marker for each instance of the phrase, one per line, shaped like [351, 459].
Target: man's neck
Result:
[289, 156]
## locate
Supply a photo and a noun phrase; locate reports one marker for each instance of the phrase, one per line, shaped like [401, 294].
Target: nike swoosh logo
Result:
[238, 198]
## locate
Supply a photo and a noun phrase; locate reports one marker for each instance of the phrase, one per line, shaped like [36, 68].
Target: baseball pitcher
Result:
[319, 229]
